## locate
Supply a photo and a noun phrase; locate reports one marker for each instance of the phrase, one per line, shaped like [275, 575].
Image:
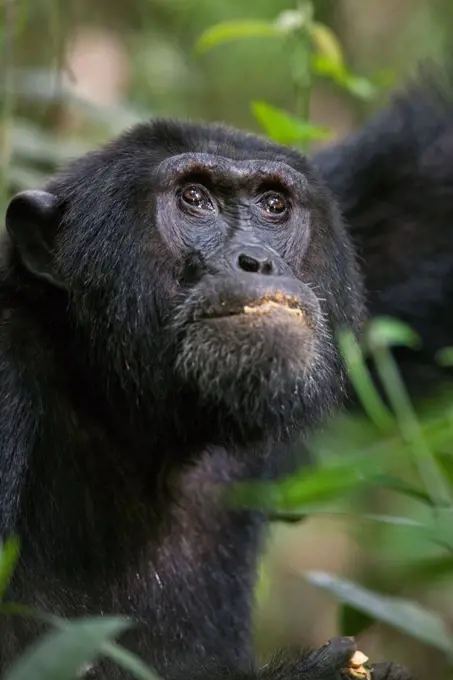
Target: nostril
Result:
[249, 264]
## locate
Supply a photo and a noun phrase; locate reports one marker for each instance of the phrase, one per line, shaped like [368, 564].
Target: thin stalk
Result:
[411, 431]
[7, 95]
[301, 68]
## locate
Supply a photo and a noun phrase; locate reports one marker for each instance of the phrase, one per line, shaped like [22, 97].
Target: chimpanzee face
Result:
[214, 259]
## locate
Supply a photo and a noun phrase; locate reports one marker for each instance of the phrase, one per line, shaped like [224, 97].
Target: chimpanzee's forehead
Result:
[166, 138]
[222, 168]
[235, 145]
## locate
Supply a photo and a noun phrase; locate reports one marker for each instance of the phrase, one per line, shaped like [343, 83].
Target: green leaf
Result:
[352, 622]
[9, 554]
[430, 570]
[335, 70]
[362, 382]
[382, 333]
[323, 66]
[263, 583]
[61, 654]
[327, 44]
[118, 654]
[444, 356]
[394, 520]
[359, 86]
[324, 485]
[227, 31]
[387, 332]
[405, 615]
[338, 476]
[128, 661]
[441, 532]
[445, 461]
[397, 484]
[299, 514]
[284, 128]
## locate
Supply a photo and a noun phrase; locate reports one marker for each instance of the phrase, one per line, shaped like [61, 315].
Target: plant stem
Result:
[6, 89]
[411, 431]
[301, 68]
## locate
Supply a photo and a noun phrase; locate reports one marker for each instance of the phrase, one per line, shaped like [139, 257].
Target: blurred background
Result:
[75, 72]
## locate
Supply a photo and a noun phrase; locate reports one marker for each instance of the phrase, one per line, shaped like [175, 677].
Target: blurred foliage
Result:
[167, 74]
[70, 645]
[293, 72]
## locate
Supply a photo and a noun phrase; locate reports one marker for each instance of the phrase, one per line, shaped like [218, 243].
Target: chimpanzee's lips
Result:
[254, 307]
[270, 306]
[249, 299]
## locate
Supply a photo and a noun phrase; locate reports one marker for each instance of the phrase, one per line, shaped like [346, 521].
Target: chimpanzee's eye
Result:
[197, 198]
[274, 204]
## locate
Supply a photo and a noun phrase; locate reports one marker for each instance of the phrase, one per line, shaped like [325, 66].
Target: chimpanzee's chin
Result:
[260, 375]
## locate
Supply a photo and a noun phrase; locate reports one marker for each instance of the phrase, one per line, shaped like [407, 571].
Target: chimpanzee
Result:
[168, 313]
[393, 180]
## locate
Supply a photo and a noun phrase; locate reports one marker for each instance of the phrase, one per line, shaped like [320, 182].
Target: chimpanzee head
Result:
[204, 271]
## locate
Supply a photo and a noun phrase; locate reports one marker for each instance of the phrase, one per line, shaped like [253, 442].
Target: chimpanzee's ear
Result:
[31, 222]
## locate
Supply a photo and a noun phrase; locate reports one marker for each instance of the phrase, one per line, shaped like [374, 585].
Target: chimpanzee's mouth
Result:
[266, 304]
[270, 307]
[249, 301]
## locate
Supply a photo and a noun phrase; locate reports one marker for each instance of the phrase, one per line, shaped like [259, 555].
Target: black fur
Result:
[394, 183]
[129, 400]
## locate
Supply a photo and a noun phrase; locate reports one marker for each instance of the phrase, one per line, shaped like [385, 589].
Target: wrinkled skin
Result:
[168, 308]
